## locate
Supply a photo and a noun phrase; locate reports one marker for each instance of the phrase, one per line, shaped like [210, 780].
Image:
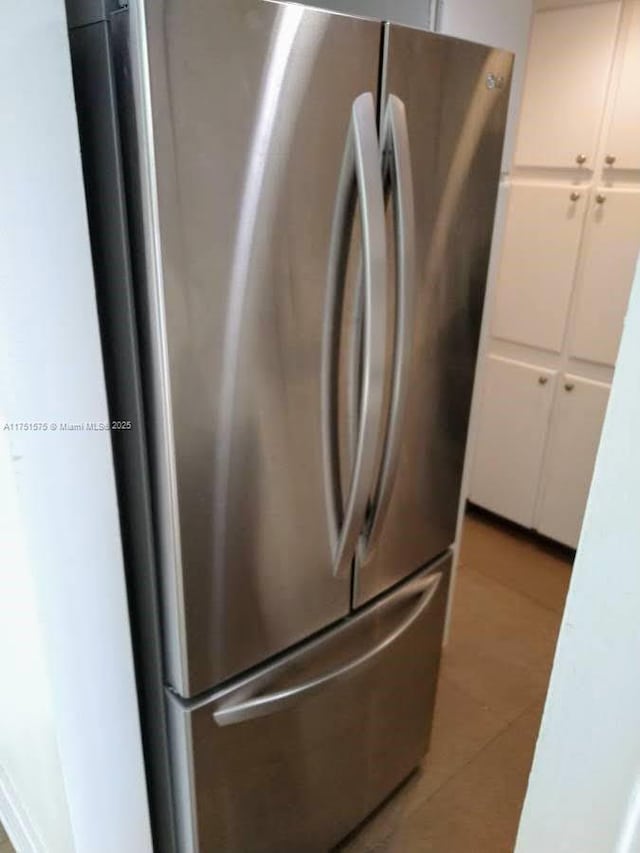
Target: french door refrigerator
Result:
[291, 215]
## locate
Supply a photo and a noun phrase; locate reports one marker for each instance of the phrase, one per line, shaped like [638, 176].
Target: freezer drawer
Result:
[295, 756]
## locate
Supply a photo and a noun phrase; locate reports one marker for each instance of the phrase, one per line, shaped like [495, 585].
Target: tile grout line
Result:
[525, 595]
[472, 758]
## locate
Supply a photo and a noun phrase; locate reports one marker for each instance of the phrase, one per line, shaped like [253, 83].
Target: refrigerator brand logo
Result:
[494, 82]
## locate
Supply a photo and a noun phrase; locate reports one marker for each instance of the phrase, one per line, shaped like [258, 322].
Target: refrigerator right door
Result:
[443, 113]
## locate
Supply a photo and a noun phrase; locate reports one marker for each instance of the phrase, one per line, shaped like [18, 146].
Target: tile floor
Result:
[468, 796]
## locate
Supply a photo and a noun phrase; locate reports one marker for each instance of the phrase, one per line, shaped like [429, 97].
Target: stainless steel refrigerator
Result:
[291, 215]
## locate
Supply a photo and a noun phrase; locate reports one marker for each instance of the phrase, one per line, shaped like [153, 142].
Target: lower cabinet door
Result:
[295, 756]
[510, 440]
[573, 444]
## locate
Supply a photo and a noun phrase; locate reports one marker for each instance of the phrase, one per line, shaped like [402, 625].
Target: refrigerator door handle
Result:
[230, 712]
[361, 167]
[398, 180]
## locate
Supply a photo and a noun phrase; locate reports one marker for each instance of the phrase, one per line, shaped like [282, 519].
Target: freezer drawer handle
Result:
[361, 167]
[398, 179]
[262, 706]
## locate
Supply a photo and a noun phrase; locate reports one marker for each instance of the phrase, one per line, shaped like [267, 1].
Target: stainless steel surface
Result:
[609, 159]
[542, 380]
[495, 82]
[456, 128]
[233, 712]
[301, 778]
[574, 196]
[581, 158]
[241, 172]
[399, 180]
[600, 198]
[361, 165]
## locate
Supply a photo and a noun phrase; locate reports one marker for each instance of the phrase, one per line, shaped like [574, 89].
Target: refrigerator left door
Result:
[244, 110]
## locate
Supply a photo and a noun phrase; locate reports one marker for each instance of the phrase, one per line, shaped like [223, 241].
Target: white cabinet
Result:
[574, 436]
[612, 243]
[570, 57]
[563, 269]
[512, 429]
[623, 139]
[537, 266]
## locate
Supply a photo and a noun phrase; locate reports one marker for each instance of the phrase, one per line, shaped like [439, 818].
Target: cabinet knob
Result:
[569, 386]
[600, 199]
[574, 196]
[580, 159]
[542, 380]
[609, 159]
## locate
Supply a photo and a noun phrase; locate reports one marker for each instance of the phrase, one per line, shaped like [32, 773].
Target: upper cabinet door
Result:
[455, 127]
[565, 87]
[612, 243]
[510, 439]
[252, 104]
[623, 141]
[537, 266]
[573, 444]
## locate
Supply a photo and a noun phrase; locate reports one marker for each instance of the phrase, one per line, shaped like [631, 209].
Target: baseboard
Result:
[15, 819]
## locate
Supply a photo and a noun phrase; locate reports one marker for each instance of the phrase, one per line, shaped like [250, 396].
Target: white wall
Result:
[411, 12]
[69, 715]
[584, 789]
[32, 792]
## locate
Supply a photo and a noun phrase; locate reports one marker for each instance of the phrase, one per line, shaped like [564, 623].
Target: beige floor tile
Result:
[533, 567]
[501, 646]
[479, 809]
[461, 727]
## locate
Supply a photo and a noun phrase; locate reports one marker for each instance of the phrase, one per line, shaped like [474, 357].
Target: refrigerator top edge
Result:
[387, 22]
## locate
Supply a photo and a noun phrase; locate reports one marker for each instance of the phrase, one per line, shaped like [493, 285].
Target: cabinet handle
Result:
[542, 380]
[569, 386]
[600, 199]
[574, 196]
[609, 159]
[580, 159]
